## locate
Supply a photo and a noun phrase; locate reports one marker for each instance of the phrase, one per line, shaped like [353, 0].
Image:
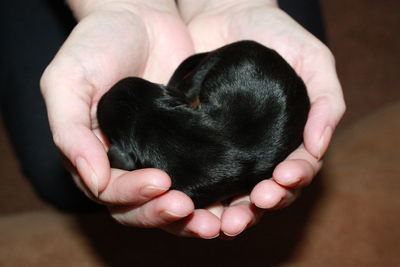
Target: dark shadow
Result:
[32, 32]
[307, 13]
[273, 241]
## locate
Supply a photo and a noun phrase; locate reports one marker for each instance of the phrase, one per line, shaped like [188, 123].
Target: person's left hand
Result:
[214, 23]
[113, 40]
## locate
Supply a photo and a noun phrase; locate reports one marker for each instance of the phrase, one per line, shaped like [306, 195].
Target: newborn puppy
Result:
[220, 126]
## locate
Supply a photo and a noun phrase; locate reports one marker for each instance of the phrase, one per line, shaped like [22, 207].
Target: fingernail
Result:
[245, 200]
[236, 234]
[232, 235]
[216, 210]
[210, 237]
[173, 214]
[152, 190]
[289, 181]
[86, 170]
[290, 197]
[323, 141]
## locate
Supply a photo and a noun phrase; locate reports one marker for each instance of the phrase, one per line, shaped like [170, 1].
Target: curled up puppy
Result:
[221, 125]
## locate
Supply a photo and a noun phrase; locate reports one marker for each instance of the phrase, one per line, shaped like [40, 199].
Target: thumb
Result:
[327, 103]
[68, 105]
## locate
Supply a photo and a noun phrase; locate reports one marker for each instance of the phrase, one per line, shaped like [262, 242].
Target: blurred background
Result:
[349, 215]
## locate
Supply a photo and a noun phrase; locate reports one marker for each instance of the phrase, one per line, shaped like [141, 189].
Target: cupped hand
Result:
[213, 24]
[112, 40]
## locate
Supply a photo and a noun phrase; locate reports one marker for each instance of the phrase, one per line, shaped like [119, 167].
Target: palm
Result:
[104, 49]
[122, 46]
[269, 26]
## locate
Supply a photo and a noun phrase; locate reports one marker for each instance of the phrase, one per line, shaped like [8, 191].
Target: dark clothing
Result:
[32, 32]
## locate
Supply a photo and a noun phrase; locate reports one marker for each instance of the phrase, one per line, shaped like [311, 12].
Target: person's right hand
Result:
[113, 40]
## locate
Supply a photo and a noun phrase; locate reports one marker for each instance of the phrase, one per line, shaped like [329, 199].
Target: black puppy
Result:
[220, 126]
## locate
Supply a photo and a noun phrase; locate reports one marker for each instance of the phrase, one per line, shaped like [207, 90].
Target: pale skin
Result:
[149, 39]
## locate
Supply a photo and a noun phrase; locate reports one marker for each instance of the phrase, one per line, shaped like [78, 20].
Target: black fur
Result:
[220, 126]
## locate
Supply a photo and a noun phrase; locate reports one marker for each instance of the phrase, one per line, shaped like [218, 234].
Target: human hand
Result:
[112, 40]
[214, 23]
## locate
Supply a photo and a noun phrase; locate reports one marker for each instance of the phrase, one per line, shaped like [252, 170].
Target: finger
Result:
[269, 195]
[134, 188]
[165, 209]
[297, 170]
[240, 215]
[327, 102]
[202, 223]
[288, 199]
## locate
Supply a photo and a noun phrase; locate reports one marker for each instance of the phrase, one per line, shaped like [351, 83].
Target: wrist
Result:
[190, 9]
[82, 8]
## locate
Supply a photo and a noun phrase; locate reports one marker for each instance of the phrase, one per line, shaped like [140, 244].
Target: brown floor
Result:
[363, 36]
[347, 217]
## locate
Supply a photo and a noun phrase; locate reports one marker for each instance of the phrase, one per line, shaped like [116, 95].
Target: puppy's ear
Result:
[186, 67]
[121, 159]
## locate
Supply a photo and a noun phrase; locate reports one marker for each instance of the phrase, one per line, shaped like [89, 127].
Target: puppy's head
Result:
[119, 113]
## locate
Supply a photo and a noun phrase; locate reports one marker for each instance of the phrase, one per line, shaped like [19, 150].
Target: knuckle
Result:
[322, 51]
[57, 138]
[45, 80]
[326, 52]
[342, 108]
